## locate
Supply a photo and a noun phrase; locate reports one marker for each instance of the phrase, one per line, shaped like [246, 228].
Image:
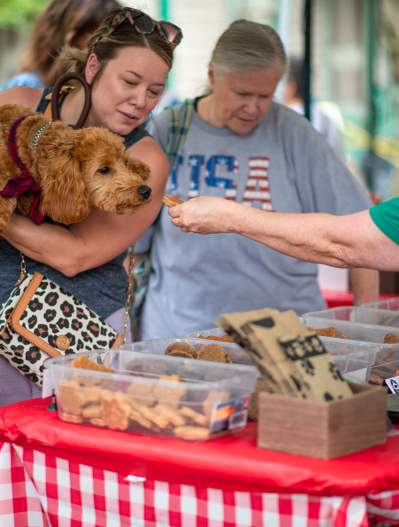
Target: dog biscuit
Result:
[97, 421]
[391, 338]
[198, 418]
[88, 364]
[92, 410]
[181, 349]
[172, 414]
[191, 432]
[70, 418]
[171, 201]
[214, 352]
[138, 418]
[161, 421]
[71, 397]
[115, 412]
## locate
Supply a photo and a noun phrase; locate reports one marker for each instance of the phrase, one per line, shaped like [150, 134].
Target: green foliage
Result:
[17, 13]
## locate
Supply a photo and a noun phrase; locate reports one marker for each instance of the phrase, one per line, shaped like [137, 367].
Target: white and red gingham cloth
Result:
[59, 474]
[41, 490]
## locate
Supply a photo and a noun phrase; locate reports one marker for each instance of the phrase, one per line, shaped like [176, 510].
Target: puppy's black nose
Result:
[144, 191]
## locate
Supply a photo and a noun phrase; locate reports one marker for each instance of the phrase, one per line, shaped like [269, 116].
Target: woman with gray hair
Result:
[236, 143]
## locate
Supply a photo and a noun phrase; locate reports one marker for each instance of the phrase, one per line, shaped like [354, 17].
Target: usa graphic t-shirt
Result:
[283, 165]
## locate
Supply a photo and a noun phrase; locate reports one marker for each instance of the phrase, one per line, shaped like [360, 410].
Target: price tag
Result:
[393, 384]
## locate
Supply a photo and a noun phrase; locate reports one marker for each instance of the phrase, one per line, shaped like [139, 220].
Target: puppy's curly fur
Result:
[76, 169]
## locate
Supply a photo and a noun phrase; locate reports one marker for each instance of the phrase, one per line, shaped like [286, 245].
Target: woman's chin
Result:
[124, 129]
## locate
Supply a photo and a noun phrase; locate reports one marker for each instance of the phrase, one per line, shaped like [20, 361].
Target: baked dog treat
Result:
[213, 352]
[329, 331]
[171, 201]
[192, 432]
[72, 397]
[115, 411]
[88, 364]
[391, 338]
[181, 349]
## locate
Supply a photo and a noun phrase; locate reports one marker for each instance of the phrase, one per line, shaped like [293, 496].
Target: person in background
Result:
[241, 146]
[325, 116]
[63, 22]
[126, 64]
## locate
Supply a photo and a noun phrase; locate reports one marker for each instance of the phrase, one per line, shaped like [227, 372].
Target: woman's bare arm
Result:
[341, 241]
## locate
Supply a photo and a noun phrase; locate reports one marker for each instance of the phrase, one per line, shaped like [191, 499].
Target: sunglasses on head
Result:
[145, 25]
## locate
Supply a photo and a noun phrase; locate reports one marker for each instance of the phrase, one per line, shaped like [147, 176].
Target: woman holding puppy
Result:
[126, 64]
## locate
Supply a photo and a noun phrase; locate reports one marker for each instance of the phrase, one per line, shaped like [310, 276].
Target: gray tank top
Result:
[102, 289]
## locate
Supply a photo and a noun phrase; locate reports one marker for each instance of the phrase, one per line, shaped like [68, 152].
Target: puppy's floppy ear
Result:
[64, 194]
[142, 169]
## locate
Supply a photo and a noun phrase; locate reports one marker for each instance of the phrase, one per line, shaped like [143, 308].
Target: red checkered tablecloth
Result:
[63, 475]
[42, 490]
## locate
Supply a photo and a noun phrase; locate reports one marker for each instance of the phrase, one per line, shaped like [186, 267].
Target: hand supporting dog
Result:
[62, 173]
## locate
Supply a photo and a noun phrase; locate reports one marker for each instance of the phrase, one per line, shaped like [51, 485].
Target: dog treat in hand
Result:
[171, 201]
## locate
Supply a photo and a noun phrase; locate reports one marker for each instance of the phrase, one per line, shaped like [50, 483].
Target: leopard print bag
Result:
[41, 320]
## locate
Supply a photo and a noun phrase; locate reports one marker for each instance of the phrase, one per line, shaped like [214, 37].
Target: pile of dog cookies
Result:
[212, 352]
[160, 407]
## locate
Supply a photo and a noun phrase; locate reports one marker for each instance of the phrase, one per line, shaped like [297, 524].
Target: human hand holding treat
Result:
[204, 215]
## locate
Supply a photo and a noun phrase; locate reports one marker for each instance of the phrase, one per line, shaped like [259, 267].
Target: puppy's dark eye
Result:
[104, 170]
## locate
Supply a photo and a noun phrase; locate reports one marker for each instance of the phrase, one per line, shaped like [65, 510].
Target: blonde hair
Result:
[247, 45]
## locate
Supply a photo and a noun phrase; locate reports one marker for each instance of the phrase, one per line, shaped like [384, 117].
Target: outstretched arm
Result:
[102, 236]
[341, 241]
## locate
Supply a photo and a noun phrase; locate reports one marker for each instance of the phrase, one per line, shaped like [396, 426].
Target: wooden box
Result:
[320, 429]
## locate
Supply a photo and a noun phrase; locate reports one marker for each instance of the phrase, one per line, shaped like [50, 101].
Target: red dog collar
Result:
[23, 184]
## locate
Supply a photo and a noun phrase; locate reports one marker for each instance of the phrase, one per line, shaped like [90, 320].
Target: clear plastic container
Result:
[391, 304]
[205, 333]
[158, 346]
[383, 370]
[153, 394]
[360, 315]
[352, 330]
[352, 357]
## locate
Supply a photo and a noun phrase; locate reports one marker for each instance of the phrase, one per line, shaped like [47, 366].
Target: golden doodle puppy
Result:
[50, 169]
